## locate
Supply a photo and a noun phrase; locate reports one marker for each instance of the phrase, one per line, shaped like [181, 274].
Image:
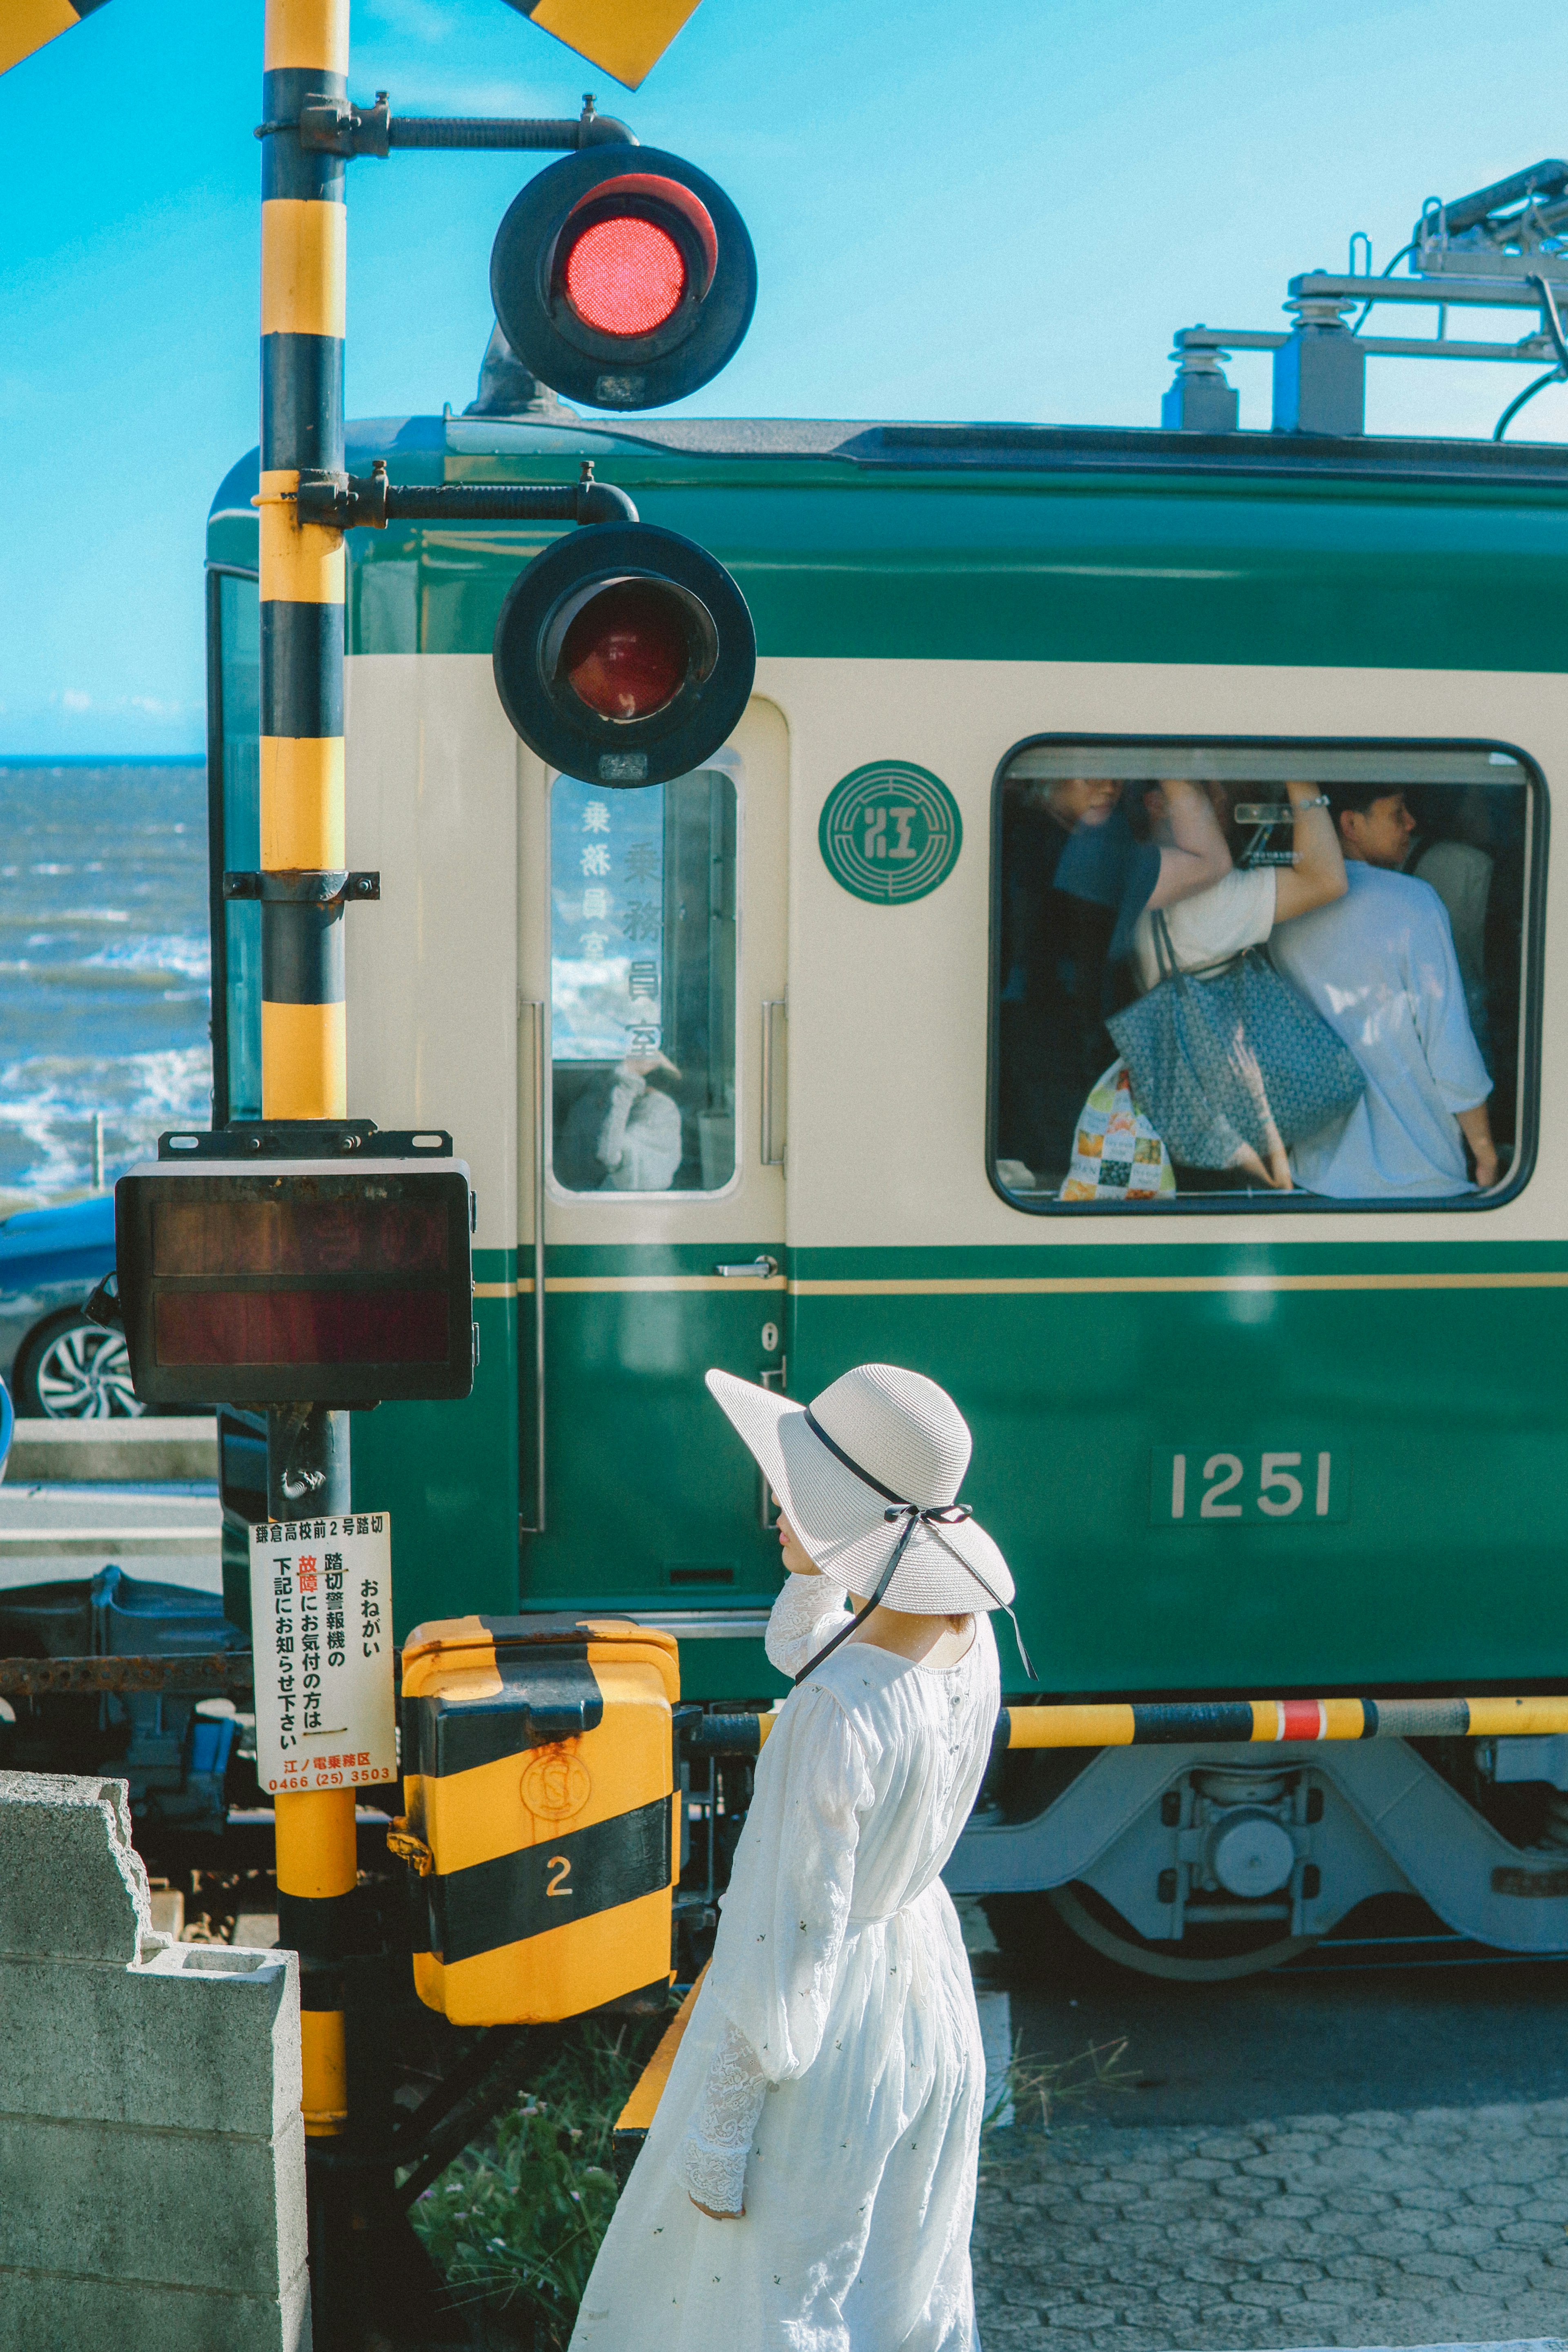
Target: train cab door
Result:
[651, 1124]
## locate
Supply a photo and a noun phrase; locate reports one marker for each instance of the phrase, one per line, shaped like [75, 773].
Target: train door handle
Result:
[775, 1011]
[756, 1269]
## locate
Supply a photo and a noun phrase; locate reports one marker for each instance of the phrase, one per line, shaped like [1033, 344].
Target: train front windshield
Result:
[1270, 972]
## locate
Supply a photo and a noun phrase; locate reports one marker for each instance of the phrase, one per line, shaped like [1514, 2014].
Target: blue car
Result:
[55, 1363]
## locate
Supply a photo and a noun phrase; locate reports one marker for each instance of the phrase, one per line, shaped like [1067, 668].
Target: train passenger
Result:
[1103, 861]
[1079, 878]
[1460, 867]
[1380, 967]
[1119, 1130]
[809, 2177]
[622, 1134]
[1241, 909]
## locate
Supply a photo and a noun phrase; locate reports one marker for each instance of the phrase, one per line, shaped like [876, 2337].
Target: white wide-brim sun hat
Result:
[913, 1444]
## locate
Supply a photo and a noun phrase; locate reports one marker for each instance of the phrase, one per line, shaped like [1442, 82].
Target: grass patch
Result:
[1036, 2087]
[514, 2223]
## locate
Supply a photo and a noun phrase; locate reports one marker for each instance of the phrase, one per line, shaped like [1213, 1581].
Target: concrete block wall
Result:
[152, 2149]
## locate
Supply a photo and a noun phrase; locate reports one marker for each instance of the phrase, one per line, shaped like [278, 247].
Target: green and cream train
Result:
[781, 1066]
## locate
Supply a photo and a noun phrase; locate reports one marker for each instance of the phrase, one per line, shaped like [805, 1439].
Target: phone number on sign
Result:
[327, 1772]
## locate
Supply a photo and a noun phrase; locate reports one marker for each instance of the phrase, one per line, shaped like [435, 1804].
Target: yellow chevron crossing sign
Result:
[27, 25]
[624, 37]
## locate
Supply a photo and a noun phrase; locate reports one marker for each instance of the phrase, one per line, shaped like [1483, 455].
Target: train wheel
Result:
[1148, 1960]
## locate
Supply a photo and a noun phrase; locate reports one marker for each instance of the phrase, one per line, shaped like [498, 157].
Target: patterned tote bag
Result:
[1215, 1055]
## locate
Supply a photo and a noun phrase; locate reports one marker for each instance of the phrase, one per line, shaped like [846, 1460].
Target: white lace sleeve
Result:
[807, 1614]
[711, 2164]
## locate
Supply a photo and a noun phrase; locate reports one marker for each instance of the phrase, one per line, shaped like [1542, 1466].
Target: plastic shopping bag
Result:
[1117, 1154]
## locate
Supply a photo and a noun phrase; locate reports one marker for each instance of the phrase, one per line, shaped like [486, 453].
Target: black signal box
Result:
[297, 1282]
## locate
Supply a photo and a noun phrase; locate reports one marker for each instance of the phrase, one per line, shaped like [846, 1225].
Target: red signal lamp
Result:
[627, 648]
[623, 275]
[625, 655]
[626, 289]
[633, 251]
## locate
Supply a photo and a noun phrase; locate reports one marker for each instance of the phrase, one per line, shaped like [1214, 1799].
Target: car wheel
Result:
[71, 1369]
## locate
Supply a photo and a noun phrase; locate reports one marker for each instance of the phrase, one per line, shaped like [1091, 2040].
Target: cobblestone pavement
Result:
[1445, 2226]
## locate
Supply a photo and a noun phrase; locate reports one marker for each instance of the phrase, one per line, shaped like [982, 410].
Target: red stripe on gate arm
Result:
[1303, 1719]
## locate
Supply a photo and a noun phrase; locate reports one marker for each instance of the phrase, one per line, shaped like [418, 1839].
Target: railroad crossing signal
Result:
[624, 287]
[625, 655]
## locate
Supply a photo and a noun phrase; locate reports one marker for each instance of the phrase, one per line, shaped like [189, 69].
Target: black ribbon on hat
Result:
[913, 1515]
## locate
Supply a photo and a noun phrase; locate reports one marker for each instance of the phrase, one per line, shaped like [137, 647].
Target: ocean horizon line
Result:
[101, 759]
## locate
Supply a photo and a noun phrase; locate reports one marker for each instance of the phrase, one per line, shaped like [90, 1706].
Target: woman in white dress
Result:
[808, 2183]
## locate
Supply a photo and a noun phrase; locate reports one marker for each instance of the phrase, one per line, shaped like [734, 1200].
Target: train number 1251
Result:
[1224, 1485]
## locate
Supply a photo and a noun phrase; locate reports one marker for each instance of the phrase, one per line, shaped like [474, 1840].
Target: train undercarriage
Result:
[1203, 1863]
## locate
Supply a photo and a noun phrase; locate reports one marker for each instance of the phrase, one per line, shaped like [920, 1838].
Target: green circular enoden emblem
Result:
[890, 832]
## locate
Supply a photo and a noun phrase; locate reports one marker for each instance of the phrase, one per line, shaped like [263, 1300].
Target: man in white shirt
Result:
[1379, 965]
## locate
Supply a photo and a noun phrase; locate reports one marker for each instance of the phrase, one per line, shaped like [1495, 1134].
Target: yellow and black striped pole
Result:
[304, 1063]
[304, 251]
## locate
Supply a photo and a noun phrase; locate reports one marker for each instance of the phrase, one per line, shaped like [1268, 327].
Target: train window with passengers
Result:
[642, 985]
[1282, 973]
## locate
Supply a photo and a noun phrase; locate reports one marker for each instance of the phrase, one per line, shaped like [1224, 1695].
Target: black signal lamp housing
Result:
[624, 288]
[303, 1281]
[625, 655]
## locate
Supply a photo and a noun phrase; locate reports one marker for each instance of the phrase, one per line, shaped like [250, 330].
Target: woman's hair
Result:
[1135, 807]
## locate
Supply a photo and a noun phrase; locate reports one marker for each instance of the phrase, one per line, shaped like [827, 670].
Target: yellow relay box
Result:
[539, 1782]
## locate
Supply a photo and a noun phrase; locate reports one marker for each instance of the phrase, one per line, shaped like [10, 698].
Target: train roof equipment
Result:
[1503, 247]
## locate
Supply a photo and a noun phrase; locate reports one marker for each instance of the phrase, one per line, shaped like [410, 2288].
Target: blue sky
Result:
[998, 209]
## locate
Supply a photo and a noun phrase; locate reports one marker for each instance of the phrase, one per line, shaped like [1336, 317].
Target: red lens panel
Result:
[625, 275]
[300, 1327]
[344, 1235]
[626, 654]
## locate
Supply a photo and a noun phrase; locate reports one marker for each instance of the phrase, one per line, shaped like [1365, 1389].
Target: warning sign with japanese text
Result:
[320, 1620]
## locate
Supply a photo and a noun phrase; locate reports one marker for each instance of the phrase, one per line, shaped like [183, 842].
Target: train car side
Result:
[932, 603]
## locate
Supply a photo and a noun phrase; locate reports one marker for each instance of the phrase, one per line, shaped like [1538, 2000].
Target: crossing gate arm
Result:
[1136, 1723]
[636, 2118]
[1269, 1721]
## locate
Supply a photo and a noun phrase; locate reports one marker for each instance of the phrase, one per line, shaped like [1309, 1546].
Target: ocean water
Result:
[104, 968]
